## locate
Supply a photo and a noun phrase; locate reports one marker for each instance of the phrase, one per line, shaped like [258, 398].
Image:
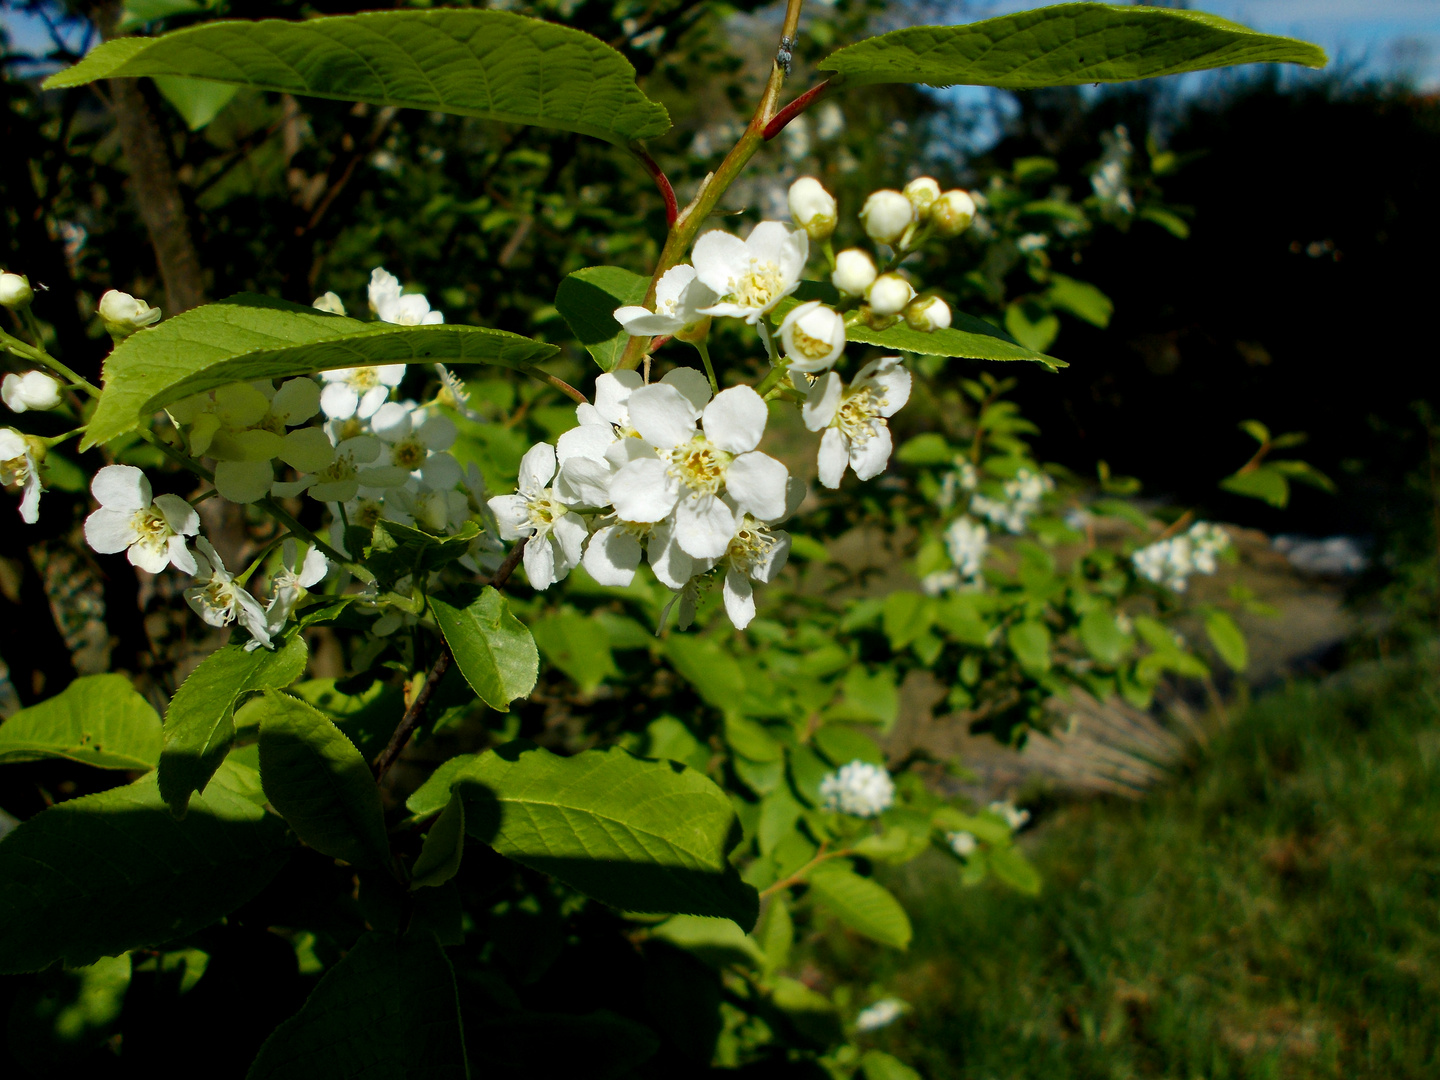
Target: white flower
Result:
[1013, 817]
[813, 208]
[416, 441]
[923, 192]
[123, 314]
[682, 471]
[441, 510]
[358, 391]
[881, 1014]
[389, 306]
[342, 475]
[679, 296]
[854, 418]
[33, 390]
[751, 276]
[928, 314]
[151, 531]
[854, 272]
[329, 303]
[952, 213]
[1166, 562]
[962, 843]
[757, 553]
[1022, 492]
[18, 465]
[1032, 242]
[556, 532]
[886, 215]
[889, 294]
[859, 788]
[296, 575]
[967, 541]
[15, 290]
[1207, 541]
[813, 337]
[219, 601]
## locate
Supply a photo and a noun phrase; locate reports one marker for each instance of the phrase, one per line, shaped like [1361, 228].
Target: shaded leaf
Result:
[1011, 867]
[587, 300]
[197, 100]
[434, 795]
[1264, 482]
[1029, 641]
[97, 720]
[397, 550]
[493, 649]
[862, 904]
[1080, 299]
[878, 1065]
[1228, 639]
[1102, 637]
[439, 859]
[718, 942]
[578, 646]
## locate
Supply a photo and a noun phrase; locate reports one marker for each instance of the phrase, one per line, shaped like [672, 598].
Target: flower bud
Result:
[952, 213]
[889, 295]
[123, 314]
[813, 208]
[927, 314]
[886, 215]
[329, 303]
[33, 390]
[15, 291]
[922, 192]
[854, 272]
[813, 337]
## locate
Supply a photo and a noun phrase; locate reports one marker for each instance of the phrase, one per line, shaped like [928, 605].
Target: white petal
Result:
[536, 468]
[148, 557]
[735, 420]
[787, 247]
[288, 489]
[362, 449]
[122, 488]
[586, 415]
[733, 311]
[870, 457]
[583, 482]
[178, 514]
[390, 374]
[307, 449]
[719, 258]
[643, 490]
[334, 490]
[822, 401]
[692, 383]
[243, 481]
[512, 514]
[30, 500]
[834, 456]
[252, 616]
[757, 483]
[180, 556]
[382, 476]
[612, 556]
[612, 390]
[569, 533]
[642, 322]
[110, 531]
[371, 401]
[438, 433]
[704, 526]
[739, 598]
[441, 472]
[586, 441]
[315, 567]
[673, 282]
[539, 561]
[392, 421]
[338, 400]
[892, 379]
[774, 560]
[296, 401]
[672, 566]
[623, 451]
[662, 415]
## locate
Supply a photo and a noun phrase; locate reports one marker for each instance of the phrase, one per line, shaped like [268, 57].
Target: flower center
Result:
[15, 471]
[699, 466]
[408, 454]
[544, 511]
[342, 468]
[759, 286]
[154, 530]
[219, 596]
[750, 545]
[812, 348]
[363, 378]
[856, 416]
[366, 513]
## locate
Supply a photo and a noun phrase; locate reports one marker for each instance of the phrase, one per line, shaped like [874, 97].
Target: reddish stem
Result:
[794, 109]
[672, 208]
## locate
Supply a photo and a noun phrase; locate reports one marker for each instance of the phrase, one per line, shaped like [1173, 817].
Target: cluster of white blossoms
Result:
[881, 1014]
[967, 541]
[858, 788]
[1014, 817]
[1171, 561]
[1022, 495]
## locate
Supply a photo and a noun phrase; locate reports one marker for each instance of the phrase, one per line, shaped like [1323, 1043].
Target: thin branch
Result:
[672, 208]
[559, 384]
[795, 108]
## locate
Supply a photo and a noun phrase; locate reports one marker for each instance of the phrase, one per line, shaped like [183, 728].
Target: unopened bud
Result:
[33, 390]
[854, 272]
[889, 295]
[15, 291]
[922, 192]
[123, 314]
[928, 314]
[329, 303]
[813, 208]
[886, 215]
[952, 213]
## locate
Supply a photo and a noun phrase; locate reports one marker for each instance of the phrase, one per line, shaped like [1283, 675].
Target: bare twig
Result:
[794, 109]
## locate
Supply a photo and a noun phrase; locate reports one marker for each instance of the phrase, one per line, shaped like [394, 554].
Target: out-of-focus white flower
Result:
[859, 788]
[124, 314]
[882, 1014]
[219, 601]
[1015, 818]
[1207, 542]
[854, 418]
[889, 294]
[20, 459]
[939, 582]
[16, 291]
[358, 391]
[751, 276]
[679, 297]
[1171, 561]
[1032, 242]
[755, 552]
[923, 192]
[329, 303]
[813, 208]
[556, 533]
[1022, 496]
[813, 337]
[389, 306]
[962, 843]
[33, 390]
[342, 476]
[151, 531]
[886, 216]
[952, 213]
[967, 541]
[829, 120]
[928, 314]
[298, 572]
[854, 272]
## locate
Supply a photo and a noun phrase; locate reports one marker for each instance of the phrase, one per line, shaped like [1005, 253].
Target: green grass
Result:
[1274, 914]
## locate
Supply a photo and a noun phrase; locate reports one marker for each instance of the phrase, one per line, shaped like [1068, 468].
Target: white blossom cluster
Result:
[967, 541]
[858, 788]
[1111, 179]
[1014, 817]
[1019, 503]
[1171, 561]
[881, 1014]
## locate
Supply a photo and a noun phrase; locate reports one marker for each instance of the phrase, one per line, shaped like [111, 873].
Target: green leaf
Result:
[200, 723]
[1265, 483]
[388, 1009]
[1011, 867]
[1102, 637]
[1172, 223]
[966, 336]
[906, 616]
[250, 337]
[439, 859]
[842, 745]
[1065, 45]
[97, 720]
[578, 646]
[1256, 430]
[777, 933]
[474, 63]
[587, 300]
[434, 795]
[864, 905]
[929, 448]
[1228, 639]
[717, 942]
[1031, 325]
[893, 846]
[319, 783]
[198, 101]
[706, 665]
[101, 874]
[646, 836]
[398, 551]
[1029, 641]
[492, 648]
[1304, 472]
[1080, 299]
[750, 739]
[873, 697]
[878, 1065]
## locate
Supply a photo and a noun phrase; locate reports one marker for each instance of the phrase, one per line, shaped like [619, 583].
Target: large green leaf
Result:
[492, 648]
[587, 300]
[641, 835]
[864, 905]
[475, 63]
[319, 783]
[200, 723]
[99, 720]
[256, 337]
[389, 1009]
[966, 336]
[578, 645]
[1065, 45]
[104, 873]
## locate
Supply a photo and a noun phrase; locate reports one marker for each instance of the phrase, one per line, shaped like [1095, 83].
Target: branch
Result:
[795, 108]
[559, 384]
[672, 208]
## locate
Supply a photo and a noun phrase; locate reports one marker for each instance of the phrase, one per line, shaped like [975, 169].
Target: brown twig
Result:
[672, 208]
[794, 109]
[559, 384]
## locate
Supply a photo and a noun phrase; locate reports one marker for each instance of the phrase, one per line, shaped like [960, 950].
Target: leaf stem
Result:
[704, 351]
[796, 107]
[559, 384]
[672, 208]
[798, 876]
